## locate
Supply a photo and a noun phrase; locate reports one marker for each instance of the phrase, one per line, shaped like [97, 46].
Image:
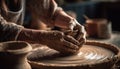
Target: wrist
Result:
[24, 35]
[62, 19]
[32, 36]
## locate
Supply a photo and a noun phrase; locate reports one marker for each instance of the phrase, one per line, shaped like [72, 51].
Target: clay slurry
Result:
[88, 54]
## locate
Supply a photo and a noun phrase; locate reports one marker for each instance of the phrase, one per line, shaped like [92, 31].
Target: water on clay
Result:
[88, 54]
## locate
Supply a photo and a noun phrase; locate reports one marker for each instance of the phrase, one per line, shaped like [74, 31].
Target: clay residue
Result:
[88, 54]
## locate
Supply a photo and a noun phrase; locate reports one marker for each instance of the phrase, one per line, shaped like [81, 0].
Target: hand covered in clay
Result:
[70, 26]
[48, 12]
[53, 39]
[78, 32]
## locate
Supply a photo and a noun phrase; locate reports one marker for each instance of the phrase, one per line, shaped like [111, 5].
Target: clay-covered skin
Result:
[53, 39]
[48, 12]
[88, 54]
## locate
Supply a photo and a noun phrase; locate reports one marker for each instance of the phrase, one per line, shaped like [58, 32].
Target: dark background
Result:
[95, 9]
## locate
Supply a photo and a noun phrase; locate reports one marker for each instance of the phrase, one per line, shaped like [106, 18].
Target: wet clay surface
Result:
[88, 54]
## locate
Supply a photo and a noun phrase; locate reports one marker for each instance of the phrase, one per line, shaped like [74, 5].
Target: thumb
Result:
[72, 24]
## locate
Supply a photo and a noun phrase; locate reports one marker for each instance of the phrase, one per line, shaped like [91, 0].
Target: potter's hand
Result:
[66, 22]
[78, 32]
[54, 39]
[58, 41]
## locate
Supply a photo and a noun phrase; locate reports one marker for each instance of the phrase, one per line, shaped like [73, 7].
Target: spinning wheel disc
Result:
[92, 53]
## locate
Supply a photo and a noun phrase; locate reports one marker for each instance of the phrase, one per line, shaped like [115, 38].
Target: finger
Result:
[67, 32]
[71, 39]
[79, 36]
[64, 49]
[82, 37]
[72, 24]
[74, 33]
[56, 34]
[82, 41]
[70, 45]
[71, 33]
[81, 32]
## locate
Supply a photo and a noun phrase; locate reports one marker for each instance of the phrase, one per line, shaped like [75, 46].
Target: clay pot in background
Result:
[13, 55]
[100, 28]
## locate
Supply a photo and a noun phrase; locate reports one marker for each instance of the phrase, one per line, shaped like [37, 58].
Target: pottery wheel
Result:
[88, 54]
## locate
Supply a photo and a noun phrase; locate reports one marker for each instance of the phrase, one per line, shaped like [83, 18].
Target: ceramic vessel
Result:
[100, 28]
[13, 55]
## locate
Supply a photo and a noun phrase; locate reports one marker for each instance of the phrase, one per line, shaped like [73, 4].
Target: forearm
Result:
[8, 31]
[48, 12]
[28, 35]
[38, 36]
[62, 19]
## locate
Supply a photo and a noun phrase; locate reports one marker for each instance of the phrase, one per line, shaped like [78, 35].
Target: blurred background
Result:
[96, 9]
[109, 9]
